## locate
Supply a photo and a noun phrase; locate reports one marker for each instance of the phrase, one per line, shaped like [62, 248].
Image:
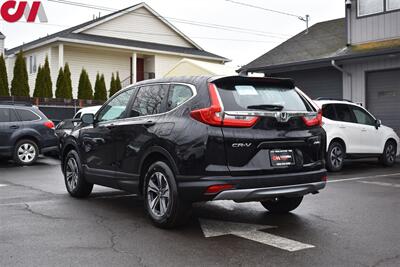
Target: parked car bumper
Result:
[253, 188]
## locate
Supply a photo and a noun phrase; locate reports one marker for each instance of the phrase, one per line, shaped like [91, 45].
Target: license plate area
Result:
[282, 158]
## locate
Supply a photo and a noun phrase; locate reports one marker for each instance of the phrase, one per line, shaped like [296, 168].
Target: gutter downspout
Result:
[333, 63]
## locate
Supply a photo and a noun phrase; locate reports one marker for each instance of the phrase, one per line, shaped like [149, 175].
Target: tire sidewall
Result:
[82, 184]
[162, 167]
[385, 160]
[18, 145]
[328, 157]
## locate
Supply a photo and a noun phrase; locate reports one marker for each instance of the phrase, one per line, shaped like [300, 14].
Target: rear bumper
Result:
[253, 188]
[258, 194]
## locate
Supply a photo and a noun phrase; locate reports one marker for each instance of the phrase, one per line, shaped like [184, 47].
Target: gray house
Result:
[356, 58]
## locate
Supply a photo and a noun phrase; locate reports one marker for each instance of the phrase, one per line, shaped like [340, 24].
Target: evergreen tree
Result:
[61, 85]
[20, 84]
[68, 82]
[118, 82]
[4, 89]
[48, 85]
[100, 90]
[85, 91]
[39, 84]
[113, 86]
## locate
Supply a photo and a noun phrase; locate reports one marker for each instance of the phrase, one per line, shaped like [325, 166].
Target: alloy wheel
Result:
[390, 153]
[158, 194]
[336, 157]
[72, 174]
[26, 153]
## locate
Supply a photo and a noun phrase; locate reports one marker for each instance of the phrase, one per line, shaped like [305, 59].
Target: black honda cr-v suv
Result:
[181, 140]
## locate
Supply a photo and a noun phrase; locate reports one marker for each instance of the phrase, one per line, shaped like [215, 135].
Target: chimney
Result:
[2, 38]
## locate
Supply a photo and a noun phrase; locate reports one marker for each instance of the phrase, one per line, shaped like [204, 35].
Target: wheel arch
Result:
[28, 137]
[338, 140]
[152, 155]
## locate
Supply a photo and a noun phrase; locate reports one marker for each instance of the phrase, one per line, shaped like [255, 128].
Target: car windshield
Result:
[261, 97]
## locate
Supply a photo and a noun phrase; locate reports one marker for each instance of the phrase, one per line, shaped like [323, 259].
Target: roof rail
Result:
[16, 103]
[333, 99]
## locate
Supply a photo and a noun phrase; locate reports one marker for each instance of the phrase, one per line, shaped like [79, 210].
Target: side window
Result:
[115, 109]
[363, 117]
[178, 94]
[328, 111]
[344, 113]
[149, 100]
[27, 115]
[5, 115]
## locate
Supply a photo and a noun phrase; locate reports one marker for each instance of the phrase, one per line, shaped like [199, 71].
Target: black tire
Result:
[388, 157]
[26, 152]
[174, 212]
[74, 179]
[335, 157]
[282, 205]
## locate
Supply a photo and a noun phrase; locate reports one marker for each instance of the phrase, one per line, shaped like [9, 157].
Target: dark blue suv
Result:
[25, 132]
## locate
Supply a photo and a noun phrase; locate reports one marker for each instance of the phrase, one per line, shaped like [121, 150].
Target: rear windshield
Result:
[242, 97]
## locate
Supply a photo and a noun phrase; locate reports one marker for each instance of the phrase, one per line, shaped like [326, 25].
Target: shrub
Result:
[48, 85]
[19, 84]
[113, 86]
[4, 89]
[60, 85]
[68, 82]
[39, 84]
[85, 90]
[100, 90]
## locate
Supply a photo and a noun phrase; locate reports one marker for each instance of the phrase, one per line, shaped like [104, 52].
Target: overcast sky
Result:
[241, 48]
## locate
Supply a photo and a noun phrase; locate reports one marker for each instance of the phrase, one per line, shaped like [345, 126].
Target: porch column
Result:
[60, 56]
[134, 67]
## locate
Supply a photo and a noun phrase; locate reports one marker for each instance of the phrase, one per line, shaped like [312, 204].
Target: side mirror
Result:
[378, 123]
[87, 119]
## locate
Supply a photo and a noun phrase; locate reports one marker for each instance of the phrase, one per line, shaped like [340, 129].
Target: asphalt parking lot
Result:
[354, 222]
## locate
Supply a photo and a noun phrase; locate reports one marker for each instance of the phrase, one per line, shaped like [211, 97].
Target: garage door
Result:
[383, 96]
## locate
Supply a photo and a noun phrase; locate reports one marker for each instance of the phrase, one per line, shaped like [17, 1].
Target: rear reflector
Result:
[215, 189]
[213, 115]
[313, 121]
[49, 124]
[325, 178]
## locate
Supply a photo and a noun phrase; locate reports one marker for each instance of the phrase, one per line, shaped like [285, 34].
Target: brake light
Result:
[215, 189]
[313, 121]
[49, 124]
[213, 114]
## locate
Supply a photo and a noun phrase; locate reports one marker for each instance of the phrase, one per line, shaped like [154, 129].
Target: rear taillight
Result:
[49, 124]
[311, 121]
[213, 115]
[216, 189]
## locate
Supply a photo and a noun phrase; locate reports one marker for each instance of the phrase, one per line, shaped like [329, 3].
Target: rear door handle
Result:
[149, 123]
[14, 127]
[364, 130]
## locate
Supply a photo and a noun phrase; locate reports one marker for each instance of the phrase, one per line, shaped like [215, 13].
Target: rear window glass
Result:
[27, 115]
[241, 97]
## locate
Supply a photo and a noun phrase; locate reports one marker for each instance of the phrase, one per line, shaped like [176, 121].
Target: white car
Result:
[353, 132]
[89, 110]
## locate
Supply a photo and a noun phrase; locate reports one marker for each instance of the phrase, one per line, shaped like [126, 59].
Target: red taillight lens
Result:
[213, 114]
[49, 124]
[215, 189]
[313, 121]
[325, 178]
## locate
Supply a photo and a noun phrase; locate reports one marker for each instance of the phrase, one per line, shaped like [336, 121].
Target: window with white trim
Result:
[32, 64]
[370, 7]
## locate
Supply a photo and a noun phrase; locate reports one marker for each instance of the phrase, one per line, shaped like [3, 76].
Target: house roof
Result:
[75, 34]
[325, 41]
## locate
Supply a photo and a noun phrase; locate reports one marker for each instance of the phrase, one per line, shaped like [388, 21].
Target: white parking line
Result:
[363, 178]
[381, 184]
[3, 185]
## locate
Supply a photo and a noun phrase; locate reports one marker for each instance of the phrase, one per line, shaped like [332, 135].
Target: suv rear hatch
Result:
[269, 126]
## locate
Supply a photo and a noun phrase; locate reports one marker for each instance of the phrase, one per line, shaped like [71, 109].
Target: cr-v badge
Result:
[241, 145]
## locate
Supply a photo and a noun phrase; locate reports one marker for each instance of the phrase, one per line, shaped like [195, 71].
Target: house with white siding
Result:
[137, 42]
[356, 58]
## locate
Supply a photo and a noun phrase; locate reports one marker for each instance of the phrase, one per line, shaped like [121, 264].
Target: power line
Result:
[183, 21]
[263, 8]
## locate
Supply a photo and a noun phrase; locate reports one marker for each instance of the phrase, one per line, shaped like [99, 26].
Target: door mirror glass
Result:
[378, 123]
[87, 119]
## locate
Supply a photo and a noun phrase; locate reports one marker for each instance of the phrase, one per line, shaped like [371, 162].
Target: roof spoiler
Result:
[285, 82]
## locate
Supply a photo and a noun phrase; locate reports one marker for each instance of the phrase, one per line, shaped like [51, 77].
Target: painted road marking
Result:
[3, 185]
[363, 178]
[212, 228]
[381, 184]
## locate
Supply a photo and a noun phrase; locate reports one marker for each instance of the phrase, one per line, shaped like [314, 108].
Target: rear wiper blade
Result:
[267, 107]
